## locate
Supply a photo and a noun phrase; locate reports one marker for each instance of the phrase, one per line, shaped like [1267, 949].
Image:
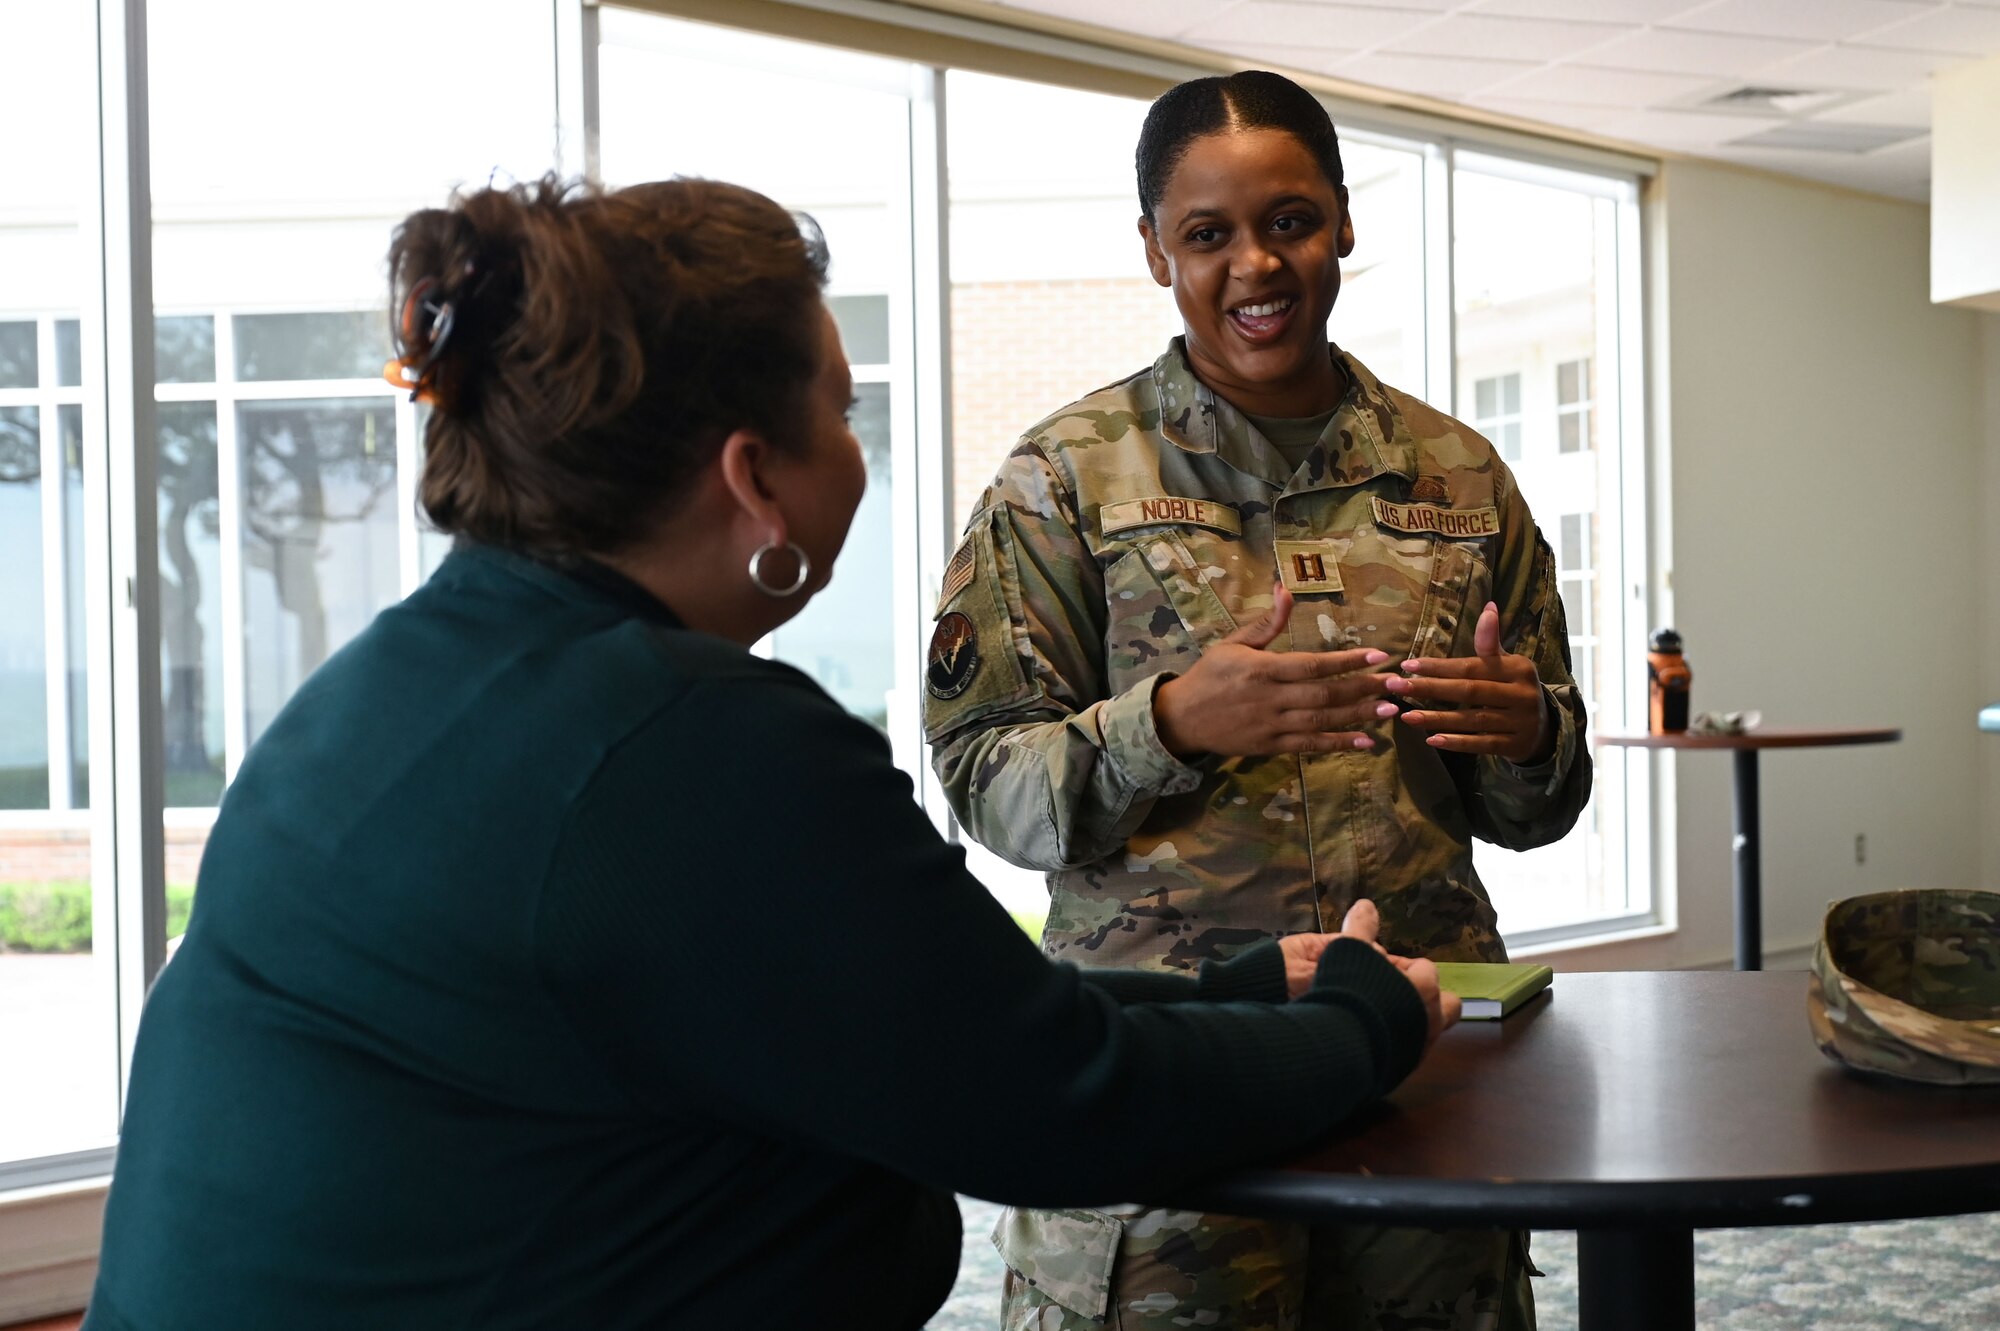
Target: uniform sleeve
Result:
[1039, 765]
[805, 959]
[1517, 806]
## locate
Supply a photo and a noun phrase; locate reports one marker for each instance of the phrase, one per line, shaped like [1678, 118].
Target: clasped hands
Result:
[1240, 700]
[1363, 922]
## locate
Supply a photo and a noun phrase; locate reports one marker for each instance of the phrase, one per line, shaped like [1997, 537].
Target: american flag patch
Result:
[957, 575]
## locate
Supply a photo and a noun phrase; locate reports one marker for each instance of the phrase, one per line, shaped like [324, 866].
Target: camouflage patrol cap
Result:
[1907, 984]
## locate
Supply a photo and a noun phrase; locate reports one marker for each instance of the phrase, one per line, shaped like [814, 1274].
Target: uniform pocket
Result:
[1067, 1255]
[1440, 917]
[1188, 575]
[1460, 586]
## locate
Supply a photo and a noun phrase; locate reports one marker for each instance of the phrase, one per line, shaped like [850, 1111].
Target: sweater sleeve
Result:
[1254, 975]
[751, 922]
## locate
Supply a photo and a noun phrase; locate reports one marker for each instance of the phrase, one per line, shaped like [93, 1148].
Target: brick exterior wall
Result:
[52, 854]
[1020, 350]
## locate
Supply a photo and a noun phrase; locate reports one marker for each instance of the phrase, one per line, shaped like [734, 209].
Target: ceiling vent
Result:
[1774, 101]
[1825, 136]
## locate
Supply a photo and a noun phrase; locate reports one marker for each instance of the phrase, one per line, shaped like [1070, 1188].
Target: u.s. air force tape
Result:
[1159, 509]
[1457, 523]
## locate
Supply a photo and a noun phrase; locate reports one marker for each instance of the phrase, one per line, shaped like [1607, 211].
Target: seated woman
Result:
[559, 963]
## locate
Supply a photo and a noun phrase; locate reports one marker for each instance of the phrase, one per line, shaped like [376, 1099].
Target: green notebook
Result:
[1488, 991]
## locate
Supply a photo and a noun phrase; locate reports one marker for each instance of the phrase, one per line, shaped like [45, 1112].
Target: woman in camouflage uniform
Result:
[1230, 645]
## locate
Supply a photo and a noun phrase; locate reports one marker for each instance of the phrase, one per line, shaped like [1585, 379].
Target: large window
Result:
[286, 466]
[986, 270]
[1543, 298]
[827, 134]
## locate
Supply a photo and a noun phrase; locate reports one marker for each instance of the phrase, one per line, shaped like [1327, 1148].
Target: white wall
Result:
[1832, 443]
[1989, 596]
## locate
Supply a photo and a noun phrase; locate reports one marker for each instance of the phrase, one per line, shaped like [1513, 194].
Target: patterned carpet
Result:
[1909, 1275]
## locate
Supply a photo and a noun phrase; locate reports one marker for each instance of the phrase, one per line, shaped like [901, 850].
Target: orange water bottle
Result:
[1667, 681]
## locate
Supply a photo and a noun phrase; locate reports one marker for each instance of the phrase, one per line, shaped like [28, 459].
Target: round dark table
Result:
[1749, 858]
[1635, 1108]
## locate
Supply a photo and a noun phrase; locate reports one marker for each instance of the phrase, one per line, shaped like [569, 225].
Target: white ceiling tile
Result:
[1963, 29]
[1827, 136]
[1911, 106]
[1587, 85]
[1685, 130]
[1859, 67]
[1591, 119]
[1477, 36]
[1601, 11]
[1433, 76]
[1874, 173]
[1675, 52]
[1804, 20]
[1312, 59]
[1424, 6]
[1153, 18]
[1275, 23]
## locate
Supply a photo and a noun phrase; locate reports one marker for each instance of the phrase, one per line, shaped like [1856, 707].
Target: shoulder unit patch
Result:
[953, 657]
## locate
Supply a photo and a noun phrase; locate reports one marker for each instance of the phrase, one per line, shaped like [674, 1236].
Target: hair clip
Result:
[428, 319]
[405, 373]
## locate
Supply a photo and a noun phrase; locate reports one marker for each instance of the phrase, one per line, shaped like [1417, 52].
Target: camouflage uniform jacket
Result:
[1133, 528]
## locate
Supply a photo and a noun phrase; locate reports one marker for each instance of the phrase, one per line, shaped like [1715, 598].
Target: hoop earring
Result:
[757, 570]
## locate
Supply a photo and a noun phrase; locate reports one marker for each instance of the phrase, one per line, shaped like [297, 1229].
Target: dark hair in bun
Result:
[1250, 99]
[599, 347]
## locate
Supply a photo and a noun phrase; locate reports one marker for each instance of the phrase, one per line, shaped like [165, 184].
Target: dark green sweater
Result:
[556, 966]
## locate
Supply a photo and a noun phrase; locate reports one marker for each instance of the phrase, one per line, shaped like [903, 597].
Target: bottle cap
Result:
[1666, 640]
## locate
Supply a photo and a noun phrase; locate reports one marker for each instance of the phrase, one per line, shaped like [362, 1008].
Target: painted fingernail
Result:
[1413, 666]
[1363, 742]
[1395, 685]
[1376, 658]
[1386, 709]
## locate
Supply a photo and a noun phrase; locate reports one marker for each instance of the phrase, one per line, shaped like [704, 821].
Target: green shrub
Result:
[55, 916]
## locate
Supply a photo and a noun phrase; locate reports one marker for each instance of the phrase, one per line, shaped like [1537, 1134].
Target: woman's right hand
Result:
[1239, 700]
[1440, 1007]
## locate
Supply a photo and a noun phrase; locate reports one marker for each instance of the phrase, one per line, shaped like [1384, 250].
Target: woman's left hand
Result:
[1498, 705]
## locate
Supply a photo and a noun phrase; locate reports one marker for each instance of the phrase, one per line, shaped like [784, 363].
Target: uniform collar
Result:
[1366, 437]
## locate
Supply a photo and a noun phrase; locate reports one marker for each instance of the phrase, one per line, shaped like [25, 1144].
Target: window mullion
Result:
[928, 370]
[55, 573]
[576, 88]
[409, 458]
[229, 495]
[1440, 387]
[127, 750]
[1649, 822]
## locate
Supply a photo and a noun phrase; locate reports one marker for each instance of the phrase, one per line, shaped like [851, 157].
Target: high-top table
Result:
[1636, 1107]
[1749, 862]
